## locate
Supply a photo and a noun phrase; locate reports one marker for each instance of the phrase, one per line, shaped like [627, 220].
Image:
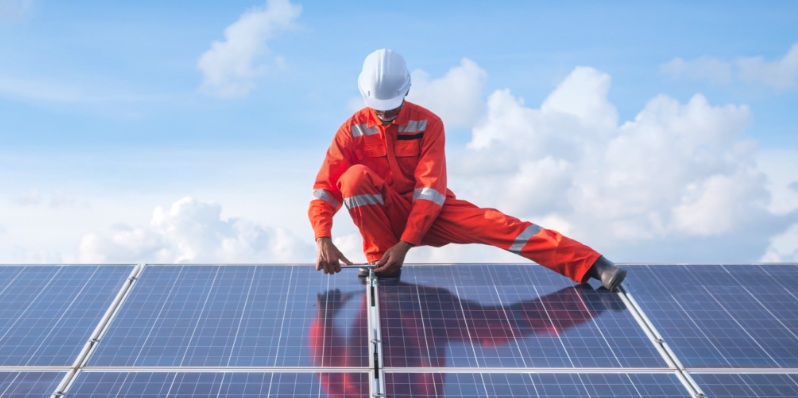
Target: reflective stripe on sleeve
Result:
[363, 129]
[523, 237]
[361, 200]
[429, 194]
[413, 126]
[325, 196]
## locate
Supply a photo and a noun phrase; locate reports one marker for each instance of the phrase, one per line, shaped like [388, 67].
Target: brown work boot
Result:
[607, 272]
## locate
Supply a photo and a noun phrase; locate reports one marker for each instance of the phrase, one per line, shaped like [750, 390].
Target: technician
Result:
[387, 165]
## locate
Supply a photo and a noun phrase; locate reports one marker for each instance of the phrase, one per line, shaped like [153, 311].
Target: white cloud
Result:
[192, 231]
[56, 199]
[456, 97]
[39, 90]
[783, 247]
[11, 10]
[351, 245]
[676, 173]
[32, 197]
[229, 66]
[779, 74]
[96, 95]
[583, 94]
[701, 68]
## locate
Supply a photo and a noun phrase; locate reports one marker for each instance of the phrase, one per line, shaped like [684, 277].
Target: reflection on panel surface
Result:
[29, 384]
[507, 316]
[229, 385]
[748, 385]
[47, 313]
[239, 316]
[722, 315]
[517, 385]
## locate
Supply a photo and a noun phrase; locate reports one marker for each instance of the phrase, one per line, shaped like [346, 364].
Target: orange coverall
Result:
[392, 178]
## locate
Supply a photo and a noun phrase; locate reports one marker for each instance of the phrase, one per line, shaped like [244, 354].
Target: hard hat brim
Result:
[384, 105]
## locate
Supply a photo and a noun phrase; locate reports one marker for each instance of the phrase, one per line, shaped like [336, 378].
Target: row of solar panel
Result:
[432, 385]
[465, 316]
[438, 316]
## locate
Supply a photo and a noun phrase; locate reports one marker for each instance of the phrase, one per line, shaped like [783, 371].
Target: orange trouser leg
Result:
[462, 222]
[381, 215]
[378, 211]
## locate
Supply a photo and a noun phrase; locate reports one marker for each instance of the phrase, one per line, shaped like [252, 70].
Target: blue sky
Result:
[101, 106]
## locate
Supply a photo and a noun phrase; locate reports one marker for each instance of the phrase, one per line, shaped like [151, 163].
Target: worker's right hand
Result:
[328, 257]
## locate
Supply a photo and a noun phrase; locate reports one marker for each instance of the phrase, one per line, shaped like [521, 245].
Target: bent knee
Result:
[358, 179]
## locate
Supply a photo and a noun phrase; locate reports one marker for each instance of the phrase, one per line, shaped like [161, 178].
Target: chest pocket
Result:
[370, 151]
[408, 148]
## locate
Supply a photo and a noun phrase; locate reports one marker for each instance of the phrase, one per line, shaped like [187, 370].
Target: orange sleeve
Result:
[327, 199]
[430, 190]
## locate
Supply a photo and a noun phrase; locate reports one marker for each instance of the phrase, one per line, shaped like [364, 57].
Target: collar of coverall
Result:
[401, 118]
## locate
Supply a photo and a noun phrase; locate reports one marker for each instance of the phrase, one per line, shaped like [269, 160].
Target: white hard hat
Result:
[384, 81]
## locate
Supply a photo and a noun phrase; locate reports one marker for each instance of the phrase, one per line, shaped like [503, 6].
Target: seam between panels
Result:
[659, 343]
[99, 332]
[531, 370]
[376, 360]
[218, 369]
[761, 371]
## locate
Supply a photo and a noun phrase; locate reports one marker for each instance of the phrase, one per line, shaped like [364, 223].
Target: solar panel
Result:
[748, 385]
[516, 385]
[238, 316]
[230, 385]
[722, 315]
[29, 384]
[47, 313]
[510, 315]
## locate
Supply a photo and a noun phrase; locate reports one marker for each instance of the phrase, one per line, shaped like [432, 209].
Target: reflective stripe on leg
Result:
[361, 200]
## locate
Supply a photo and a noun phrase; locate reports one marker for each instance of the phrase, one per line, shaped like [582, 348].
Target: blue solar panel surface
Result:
[512, 316]
[722, 315]
[748, 385]
[230, 385]
[516, 385]
[238, 316]
[507, 316]
[29, 384]
[47, 313]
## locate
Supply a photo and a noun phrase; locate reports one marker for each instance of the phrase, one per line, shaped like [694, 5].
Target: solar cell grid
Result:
[507, 316]
[748, 385]
[723, 315]
[516, 385]
[29, 384]
[238, 316]
[230, 385]
[47, 313]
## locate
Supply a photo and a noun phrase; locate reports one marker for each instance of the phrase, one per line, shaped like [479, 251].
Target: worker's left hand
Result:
[393, 258]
